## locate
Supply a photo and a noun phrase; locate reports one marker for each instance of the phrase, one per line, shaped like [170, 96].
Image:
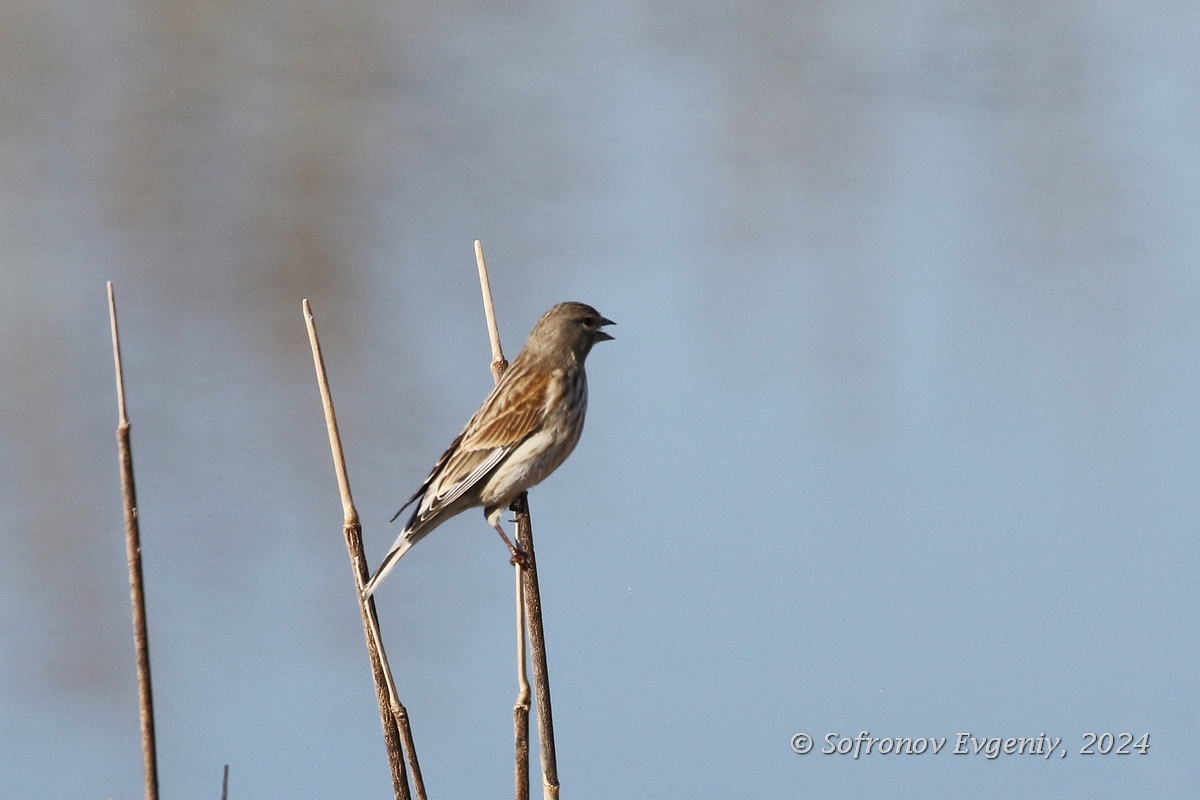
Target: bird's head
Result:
[569, 327]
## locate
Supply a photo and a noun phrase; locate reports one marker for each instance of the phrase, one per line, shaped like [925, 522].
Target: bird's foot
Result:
[519, 558]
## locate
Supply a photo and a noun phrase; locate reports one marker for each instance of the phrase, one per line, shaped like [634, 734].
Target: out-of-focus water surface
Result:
[899, 433]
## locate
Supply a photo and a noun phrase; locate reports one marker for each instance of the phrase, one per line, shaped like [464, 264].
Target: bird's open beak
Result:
[604, 336]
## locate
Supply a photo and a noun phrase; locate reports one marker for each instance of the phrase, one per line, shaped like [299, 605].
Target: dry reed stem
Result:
[397, 733]
[133, 552]
[521, 707]
[499, 364]
[537, 642]
[527, 588]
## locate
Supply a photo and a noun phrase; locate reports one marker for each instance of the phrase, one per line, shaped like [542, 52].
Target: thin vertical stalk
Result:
[133, 552]
[499, 364]
[527, 577]
[397, 734]
[521, 707]
[537, 641]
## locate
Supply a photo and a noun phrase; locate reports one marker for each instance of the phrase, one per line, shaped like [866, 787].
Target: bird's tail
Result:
[389, 561]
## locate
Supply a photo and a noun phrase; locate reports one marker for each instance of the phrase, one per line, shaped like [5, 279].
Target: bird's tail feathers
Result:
[389, 562]
[407, 503]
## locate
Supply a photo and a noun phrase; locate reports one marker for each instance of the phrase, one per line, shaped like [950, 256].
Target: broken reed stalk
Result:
[527, 586]
[397, 734]
[521, 707]
[537, 641]
[225, 784]
[133, 552]
[499, 363]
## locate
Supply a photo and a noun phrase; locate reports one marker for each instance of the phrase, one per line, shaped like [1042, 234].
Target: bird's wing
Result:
[433, 473]
[514, 410]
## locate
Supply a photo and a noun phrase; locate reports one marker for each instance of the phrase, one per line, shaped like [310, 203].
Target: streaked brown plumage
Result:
[524, 430]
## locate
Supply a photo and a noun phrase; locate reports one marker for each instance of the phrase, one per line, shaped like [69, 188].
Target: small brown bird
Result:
[525, 428]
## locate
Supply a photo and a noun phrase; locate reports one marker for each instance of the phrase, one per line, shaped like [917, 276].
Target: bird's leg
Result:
[518, 556]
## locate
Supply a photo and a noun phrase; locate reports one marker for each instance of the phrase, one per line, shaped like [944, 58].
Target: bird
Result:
[521, 433]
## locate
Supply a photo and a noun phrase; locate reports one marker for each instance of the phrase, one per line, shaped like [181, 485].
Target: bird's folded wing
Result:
[433, 475]
[511, 413]
[516, 409]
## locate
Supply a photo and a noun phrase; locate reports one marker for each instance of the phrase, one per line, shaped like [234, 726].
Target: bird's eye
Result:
[590, 322]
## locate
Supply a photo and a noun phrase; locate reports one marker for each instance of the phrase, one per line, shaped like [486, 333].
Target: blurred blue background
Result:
[899, 432]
